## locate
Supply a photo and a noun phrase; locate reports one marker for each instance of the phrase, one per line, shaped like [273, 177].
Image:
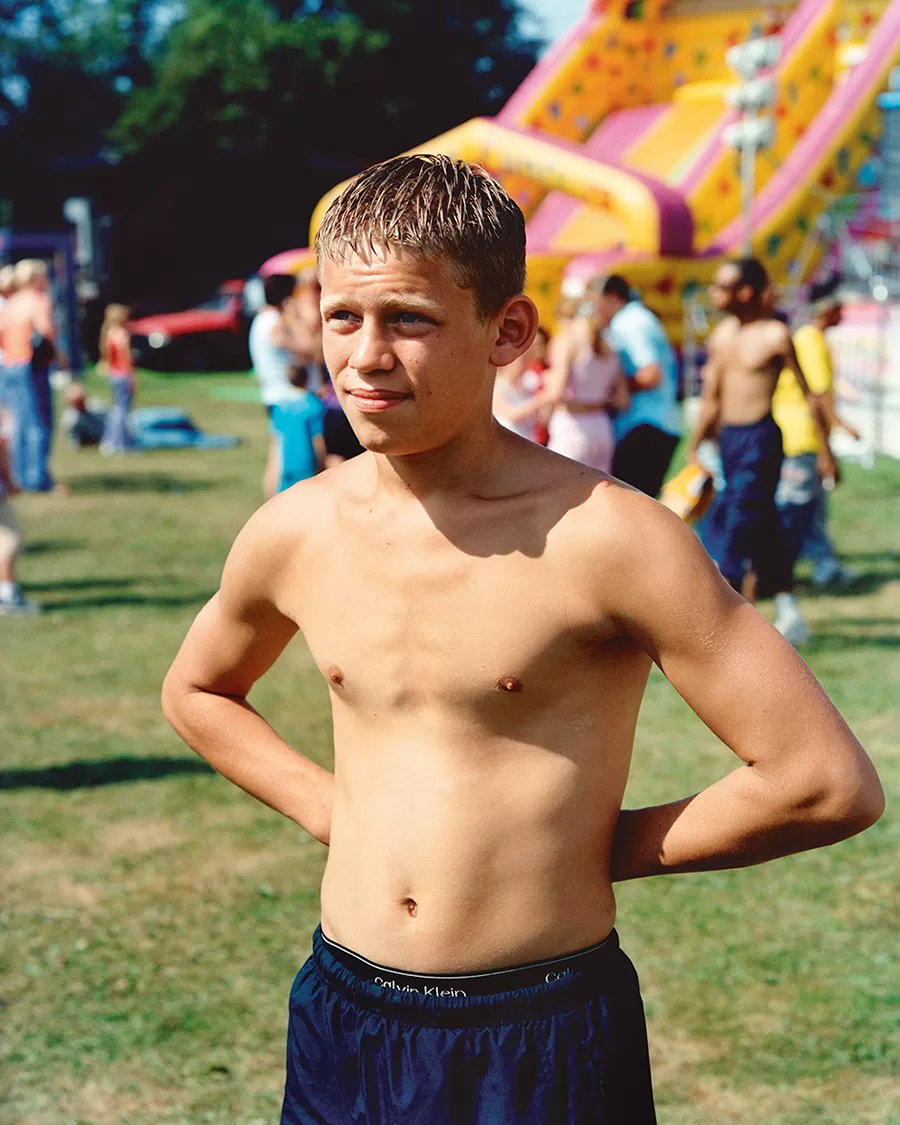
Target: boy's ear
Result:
[516, 327]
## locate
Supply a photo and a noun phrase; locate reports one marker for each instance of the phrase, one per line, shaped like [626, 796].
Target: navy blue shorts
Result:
[752, 533]
[558, 1043]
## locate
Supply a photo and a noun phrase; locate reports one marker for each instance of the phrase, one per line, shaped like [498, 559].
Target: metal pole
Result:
[748, 181]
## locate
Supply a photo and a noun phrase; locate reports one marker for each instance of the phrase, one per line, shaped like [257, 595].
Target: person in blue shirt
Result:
[648, 431]
[297, 442]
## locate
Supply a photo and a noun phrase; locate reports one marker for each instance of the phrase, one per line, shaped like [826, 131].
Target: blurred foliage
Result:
[209, 129]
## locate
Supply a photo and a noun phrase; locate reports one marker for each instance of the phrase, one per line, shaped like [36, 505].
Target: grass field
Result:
[152, 917]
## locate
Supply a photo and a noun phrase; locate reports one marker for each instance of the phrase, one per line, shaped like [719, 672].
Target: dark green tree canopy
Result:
[208, 129]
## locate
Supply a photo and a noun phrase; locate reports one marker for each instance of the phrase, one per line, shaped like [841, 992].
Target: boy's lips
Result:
[371, 401]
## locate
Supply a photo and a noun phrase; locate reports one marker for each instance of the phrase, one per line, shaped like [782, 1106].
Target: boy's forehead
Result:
[401, 269]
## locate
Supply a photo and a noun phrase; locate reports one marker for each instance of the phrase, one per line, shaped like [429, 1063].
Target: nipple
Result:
[509, 683]
[412, 907]
[335, 675]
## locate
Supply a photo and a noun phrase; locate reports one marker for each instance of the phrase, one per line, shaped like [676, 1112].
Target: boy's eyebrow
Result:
[390, 301]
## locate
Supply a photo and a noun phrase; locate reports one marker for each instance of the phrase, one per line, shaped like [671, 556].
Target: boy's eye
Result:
[409, 318]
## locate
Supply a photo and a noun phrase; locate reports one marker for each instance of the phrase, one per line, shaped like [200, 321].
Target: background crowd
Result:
[604, 390]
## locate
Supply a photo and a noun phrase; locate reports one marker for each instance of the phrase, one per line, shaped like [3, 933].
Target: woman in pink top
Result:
[116, 363]
[584, 383]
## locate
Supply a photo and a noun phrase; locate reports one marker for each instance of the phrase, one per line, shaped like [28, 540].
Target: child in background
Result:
[117, 364]
[802, 492]
[13, 603]
[518, 403]
[533, 381]
[297, 442]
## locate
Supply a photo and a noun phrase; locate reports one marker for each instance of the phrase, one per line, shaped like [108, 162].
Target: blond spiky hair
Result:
[441, 208]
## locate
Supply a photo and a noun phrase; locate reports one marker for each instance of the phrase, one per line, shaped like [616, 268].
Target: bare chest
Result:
[394, 627]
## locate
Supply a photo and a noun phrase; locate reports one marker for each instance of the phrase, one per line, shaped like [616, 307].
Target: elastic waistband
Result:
[522, 991]
[764, 423]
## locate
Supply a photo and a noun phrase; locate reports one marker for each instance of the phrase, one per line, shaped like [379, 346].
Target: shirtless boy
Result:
[747, 352]
[485, 614]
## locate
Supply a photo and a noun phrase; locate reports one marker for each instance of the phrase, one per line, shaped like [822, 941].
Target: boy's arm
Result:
[832, 419]
[805, 782]
[827, 463]
[556, 377]
[234, 640]
[710, 401]
[273, 468]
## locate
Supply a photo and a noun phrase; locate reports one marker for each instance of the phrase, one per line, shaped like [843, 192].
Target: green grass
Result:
[152, 917]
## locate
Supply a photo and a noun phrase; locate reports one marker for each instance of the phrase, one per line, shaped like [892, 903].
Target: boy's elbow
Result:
[171, 698]
[852, 802]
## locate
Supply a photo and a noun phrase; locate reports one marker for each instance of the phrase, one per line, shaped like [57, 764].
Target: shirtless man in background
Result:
[747, 352]
[485, 614]
[27, 343]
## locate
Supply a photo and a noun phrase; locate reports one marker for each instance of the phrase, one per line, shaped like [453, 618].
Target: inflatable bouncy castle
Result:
[616, 147]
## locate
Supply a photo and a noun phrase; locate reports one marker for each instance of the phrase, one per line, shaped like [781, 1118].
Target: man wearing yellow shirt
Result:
[801, 496]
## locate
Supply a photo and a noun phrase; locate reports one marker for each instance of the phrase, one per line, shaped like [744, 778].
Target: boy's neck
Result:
[470, 465]
[750, 314]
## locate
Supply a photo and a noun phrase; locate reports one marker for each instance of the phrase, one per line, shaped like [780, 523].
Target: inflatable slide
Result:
[615, 147]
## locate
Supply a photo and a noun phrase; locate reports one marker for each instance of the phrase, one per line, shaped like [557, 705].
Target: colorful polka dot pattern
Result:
[629, 62]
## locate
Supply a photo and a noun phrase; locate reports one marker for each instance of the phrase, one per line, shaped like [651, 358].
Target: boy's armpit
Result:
[243, 629]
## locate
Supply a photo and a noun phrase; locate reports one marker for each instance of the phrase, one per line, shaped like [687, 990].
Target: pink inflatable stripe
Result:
[618, 132]
[610, 141]
[676, 224]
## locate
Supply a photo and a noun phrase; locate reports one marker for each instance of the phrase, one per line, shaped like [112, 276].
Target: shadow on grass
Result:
[138, 482]
[88, 775]
[48, 546]
[860, 587]
[79, 584]
[116, 601]
[823, 639]
[853, 632]
[869, 558]
[874, 569]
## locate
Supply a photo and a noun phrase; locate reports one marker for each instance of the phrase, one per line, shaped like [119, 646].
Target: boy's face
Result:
[411, 360]
[723, 291]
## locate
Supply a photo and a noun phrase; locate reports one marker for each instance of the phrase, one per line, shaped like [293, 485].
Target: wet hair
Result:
[751, 272]
[444, 209]
[278, 287]
[616, 286]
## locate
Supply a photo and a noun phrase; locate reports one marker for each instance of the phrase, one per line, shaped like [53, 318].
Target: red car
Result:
[210, 337]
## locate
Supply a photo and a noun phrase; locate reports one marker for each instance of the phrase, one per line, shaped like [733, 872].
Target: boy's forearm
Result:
[742, 820]
[239, 744]
[706, 424]
[820, 419]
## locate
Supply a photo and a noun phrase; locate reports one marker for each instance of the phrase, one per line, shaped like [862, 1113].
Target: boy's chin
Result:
[375, 440]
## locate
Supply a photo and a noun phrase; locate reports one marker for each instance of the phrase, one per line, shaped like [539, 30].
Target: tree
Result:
[234, 118]
[66, 68]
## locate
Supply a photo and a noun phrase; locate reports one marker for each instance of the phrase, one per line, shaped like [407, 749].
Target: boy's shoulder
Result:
[610, 519]
[281, 530]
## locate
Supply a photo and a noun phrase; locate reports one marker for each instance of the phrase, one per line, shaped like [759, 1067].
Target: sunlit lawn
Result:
[152, 917]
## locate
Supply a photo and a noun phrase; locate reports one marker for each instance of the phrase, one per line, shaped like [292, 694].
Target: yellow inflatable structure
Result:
[614, 146]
